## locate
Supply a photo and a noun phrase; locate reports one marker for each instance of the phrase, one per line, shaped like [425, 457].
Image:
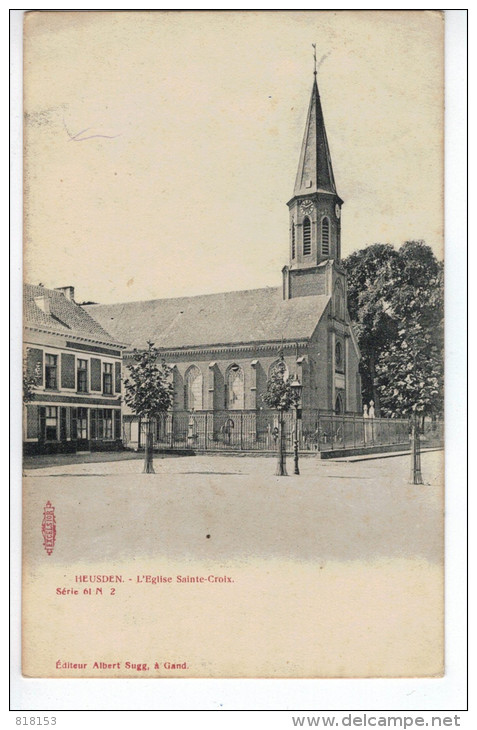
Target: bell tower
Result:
[315, 208]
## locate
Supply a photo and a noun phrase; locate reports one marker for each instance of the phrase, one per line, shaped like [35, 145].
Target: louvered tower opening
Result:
[306, 237]
[325, 237]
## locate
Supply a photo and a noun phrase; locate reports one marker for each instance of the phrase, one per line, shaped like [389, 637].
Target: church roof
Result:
[315, 172]
[252, 316]
[50, 309]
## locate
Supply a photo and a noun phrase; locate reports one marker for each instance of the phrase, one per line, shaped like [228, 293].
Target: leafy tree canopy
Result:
[395, 300]
[31, 379]
[280, 394]
[148, 387]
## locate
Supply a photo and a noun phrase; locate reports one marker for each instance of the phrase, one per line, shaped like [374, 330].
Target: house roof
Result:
[256, 315]
[51, 310]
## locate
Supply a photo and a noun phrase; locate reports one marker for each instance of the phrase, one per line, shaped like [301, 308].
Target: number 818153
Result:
[35, 720]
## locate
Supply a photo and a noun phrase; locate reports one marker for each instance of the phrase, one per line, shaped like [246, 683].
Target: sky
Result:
[161, 148]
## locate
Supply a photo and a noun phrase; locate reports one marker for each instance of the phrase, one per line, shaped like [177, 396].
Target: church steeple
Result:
[315, 171]
[315, 208]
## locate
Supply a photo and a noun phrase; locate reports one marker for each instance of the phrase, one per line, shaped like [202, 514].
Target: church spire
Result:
[315, 208]
[315, 172]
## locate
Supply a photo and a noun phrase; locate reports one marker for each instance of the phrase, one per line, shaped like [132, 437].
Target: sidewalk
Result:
[390, 455]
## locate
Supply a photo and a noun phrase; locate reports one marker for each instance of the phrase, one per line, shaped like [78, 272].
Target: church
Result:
[223, 347]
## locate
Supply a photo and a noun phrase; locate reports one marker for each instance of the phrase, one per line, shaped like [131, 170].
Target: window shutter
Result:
[95, 373]
[117, 377]
[35, 364]
[32, 422]
[42, 411]
[67, 370]
[62, 424]
[117, 423]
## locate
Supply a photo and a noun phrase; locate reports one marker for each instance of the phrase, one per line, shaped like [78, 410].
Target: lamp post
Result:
[416, 475]
[297, 388]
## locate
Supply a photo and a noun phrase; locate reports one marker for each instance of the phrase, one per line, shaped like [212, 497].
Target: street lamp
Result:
[296, 389]
[416, 475]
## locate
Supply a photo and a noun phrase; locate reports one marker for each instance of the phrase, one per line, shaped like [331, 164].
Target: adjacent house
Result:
[75, 365]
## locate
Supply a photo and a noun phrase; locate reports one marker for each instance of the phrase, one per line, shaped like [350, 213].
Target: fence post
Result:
[332, 421]
[241, 432]
[344, 431]
[206, 434]
[354, 430]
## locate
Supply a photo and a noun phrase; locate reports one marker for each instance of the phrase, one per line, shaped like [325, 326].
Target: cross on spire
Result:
[314, 58]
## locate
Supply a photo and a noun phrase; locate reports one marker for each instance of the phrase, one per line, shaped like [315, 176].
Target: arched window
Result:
[234, 389]
[293, 247]
[325, 237]
[193, 389]
[273, 367]
[338, 356]
[306, 237]
[339, 300]
[339, 404]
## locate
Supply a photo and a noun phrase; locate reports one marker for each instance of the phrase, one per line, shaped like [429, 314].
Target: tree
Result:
[411, 370]
[281, 397]
[395, 299]
[149, 393]
[370, 277]
[30, 380]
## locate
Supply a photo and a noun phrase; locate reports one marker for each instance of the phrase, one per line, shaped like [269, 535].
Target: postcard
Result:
[233, 344]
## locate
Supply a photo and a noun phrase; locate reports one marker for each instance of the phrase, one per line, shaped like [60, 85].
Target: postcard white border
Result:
[302, 696]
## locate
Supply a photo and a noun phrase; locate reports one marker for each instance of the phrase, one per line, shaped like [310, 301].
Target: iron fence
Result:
[258, 431]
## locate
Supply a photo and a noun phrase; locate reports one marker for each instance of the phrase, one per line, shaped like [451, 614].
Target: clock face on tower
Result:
[307, 206]
[337, 210]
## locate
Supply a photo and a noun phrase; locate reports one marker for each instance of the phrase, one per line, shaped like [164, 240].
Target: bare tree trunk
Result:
[149, 453]
[281, 463]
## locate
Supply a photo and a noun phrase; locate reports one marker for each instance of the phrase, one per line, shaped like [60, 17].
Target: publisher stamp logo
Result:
[48, 527]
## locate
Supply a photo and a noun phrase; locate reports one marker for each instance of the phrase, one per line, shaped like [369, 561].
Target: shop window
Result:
[108, 423]
[101, 424]
[82, 423]
[51, 423]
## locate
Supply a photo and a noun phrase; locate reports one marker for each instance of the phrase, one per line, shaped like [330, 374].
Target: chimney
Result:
[68, 291]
